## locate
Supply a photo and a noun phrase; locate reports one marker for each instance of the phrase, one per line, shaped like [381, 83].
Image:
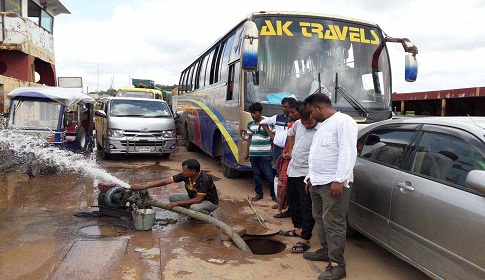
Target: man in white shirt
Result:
[331, 160]
[280, 122]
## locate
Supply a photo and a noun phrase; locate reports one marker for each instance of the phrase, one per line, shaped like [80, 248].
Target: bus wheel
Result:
[229, 172]
[191, 147]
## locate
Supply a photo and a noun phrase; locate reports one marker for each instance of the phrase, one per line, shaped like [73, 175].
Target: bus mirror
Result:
[250, 47]
[411, 65]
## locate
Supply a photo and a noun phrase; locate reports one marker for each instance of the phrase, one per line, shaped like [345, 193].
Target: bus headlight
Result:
[168, 133]
[115, 132]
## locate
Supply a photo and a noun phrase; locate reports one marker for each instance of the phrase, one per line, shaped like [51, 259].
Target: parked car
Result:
[419, 191]
[126, 125]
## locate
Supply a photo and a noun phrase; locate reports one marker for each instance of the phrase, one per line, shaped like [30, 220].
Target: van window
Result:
[139, 108]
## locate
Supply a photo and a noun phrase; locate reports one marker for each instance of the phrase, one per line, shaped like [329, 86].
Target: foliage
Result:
[166, 87]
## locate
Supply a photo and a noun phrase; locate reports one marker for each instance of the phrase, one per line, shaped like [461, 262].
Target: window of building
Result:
[40, 17]
[11, 6]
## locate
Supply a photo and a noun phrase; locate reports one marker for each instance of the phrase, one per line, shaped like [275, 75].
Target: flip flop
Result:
[289, 233]
[300, 248]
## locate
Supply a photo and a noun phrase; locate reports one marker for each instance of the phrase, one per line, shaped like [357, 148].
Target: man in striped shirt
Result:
[259, 152]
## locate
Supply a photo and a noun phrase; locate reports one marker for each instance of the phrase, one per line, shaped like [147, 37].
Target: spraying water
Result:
[28, 149]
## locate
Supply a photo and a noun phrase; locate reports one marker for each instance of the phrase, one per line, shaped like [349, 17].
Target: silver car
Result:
[419, 191]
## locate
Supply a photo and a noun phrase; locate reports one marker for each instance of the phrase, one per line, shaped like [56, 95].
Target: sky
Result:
[109, 42]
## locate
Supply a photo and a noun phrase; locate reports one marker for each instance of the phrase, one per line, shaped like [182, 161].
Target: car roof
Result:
[475, 125]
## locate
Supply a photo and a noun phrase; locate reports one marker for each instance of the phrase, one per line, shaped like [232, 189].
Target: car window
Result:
[446, 157]
[385, 146]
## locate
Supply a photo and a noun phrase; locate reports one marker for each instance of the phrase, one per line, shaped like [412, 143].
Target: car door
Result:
[436, 222]
[378, 164]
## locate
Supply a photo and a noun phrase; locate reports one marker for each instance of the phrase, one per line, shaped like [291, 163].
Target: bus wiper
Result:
[352, 101]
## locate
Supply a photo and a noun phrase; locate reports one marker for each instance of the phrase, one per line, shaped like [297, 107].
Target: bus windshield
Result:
[300, 56]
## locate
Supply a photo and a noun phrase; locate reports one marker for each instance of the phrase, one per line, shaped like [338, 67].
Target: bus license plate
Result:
[144, 149]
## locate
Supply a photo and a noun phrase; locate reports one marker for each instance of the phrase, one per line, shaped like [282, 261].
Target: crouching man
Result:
[201, 193]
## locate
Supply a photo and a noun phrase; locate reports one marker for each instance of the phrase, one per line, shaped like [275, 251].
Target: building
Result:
[450, 102]
[27, 44]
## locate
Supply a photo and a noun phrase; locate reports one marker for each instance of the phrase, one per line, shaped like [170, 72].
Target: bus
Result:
[139, 92]
[271, 55]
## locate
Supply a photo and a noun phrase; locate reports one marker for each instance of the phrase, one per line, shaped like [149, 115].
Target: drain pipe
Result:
[240, 243]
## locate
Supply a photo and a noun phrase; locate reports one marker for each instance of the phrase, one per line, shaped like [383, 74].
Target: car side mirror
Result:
[100, 113]
[475, 180]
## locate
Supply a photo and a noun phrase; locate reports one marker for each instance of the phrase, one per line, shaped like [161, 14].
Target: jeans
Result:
[204, 207]
[262, 166]
[300, 206]
[277, 151]
[330, 216]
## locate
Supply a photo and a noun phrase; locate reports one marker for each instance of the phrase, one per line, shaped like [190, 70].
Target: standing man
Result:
[259, 152]
[280, 122]
[300, 138]
[331, 161]
[201, 193]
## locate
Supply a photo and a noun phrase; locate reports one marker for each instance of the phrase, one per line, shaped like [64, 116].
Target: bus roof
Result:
[295, 13]
[140, 90]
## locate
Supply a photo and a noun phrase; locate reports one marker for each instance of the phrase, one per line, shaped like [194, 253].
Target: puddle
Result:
[104, 231]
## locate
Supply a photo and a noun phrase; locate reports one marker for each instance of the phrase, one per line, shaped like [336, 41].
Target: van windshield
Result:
[139, 108]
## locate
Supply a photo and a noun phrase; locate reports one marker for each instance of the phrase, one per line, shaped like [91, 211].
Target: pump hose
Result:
[240, 243]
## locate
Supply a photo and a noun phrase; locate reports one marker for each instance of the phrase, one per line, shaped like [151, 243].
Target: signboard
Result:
[70, 82]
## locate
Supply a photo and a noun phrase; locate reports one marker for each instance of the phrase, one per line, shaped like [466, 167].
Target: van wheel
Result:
[98, 146]
[191, 147]
[165, 155]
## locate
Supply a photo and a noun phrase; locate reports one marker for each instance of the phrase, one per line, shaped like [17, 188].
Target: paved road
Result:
[40, 238]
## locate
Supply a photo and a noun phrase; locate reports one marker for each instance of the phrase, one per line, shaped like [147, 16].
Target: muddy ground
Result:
[40, 238]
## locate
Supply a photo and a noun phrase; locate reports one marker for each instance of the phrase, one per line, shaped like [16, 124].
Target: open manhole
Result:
[104, 230]
[261, 246]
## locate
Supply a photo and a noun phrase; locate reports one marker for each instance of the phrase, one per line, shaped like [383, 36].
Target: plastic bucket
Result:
[143, 219]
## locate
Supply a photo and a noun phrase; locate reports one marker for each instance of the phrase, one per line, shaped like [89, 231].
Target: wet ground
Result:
[41, 238]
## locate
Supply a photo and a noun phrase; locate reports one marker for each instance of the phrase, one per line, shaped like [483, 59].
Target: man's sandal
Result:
[300, 248]
[289, 233]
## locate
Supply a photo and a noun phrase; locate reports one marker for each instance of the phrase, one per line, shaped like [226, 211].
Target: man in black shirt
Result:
[201, 193]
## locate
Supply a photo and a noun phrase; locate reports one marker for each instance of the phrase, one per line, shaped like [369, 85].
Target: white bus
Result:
[271, 55]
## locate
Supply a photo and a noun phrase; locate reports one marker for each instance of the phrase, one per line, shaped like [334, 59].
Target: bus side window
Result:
[230, 86]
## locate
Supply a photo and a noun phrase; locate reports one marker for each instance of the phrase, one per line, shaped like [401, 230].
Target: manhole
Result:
[261, 246]
[104, 231]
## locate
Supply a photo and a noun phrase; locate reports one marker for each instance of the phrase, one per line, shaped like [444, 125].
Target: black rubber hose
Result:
[240, 243]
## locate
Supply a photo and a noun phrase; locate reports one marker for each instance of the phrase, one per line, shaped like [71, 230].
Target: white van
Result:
[126, 125]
